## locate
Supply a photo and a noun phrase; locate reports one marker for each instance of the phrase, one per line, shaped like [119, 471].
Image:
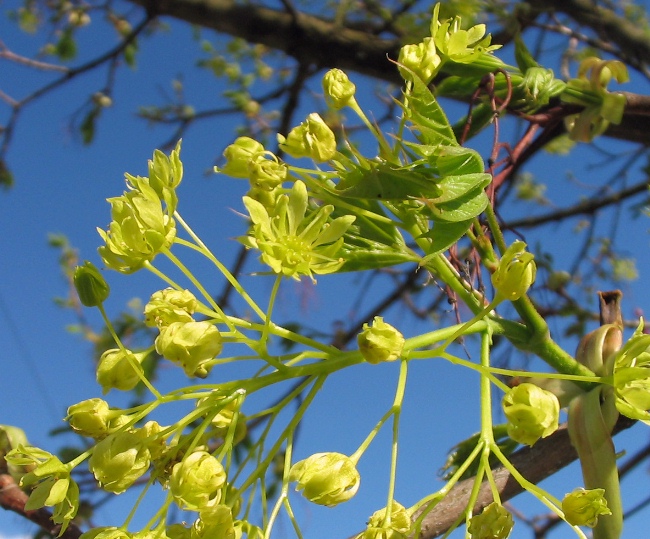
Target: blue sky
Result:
[61, 187]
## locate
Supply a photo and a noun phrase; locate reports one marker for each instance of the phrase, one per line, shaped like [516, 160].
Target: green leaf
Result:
[6, 177]
[66, 47]
[463, 208]
[424, 112]
[444, 234]
[454, 187]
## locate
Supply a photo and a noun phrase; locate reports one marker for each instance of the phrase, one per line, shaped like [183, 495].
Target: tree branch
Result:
[535, 463]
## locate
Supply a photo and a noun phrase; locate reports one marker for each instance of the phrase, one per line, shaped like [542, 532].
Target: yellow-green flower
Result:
[456, 44]
[191, 345]
[380, 342]
[495, 522]
[516, 272]
[239, 155]
[326, 478]
[93, 418]
[197, 480]
[532, 413]
[398, 526]
[292, 242]
[419, 59]
[631, 366]
[51, 483]
[119, 460]
[169, 305]
[119, 369]
[338, 88]
[313, 138]
[583, 507]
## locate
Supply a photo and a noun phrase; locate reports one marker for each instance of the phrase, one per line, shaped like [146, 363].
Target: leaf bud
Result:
[119, 460]
[192, 345]
[532, 413]
[197, 480]
[313, 138]
[380, 342]
[91, 286]
[119, 369]
[516, 272]
[583, 507]
[238, 156]
[326, 478]
[169, 305]
[495, 522]
[338, 88]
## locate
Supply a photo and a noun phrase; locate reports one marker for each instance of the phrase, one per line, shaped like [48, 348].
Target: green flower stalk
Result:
[420, 60]
[380, 342]
[119, 368]
[119, 460]
[196, 481]
[293, 243]
[338, 89]
[326, 478]
[191, 345]
[313, 138]
[398, 526]
[583, 507]
[51, 483]
[170, 305]
[239, 156]
[495, 522]
[532, 413]
[515, 274]
[93, 418]
[91, 286]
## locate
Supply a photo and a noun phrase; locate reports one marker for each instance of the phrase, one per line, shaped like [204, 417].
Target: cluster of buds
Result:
[326, 478]
[142, 224]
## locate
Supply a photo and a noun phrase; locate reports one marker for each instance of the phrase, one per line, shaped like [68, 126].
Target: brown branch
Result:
[587, 207]
[12, 498]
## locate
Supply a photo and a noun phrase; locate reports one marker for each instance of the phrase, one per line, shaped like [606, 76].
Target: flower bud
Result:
[214, 522]
[192, 345]
[495, 522]
[170, 305]
[380, 342]
[267, 174]
[92, 418]
[516, 272]
[312, 138]
[238, 156]
[91, 287]
[119, 460]
[338, 88]
[326, 478]
[419, 59]
[197, 480]
[583, 507]
[399, 527]
[119, 369]
[106, 532]
[532, 413]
